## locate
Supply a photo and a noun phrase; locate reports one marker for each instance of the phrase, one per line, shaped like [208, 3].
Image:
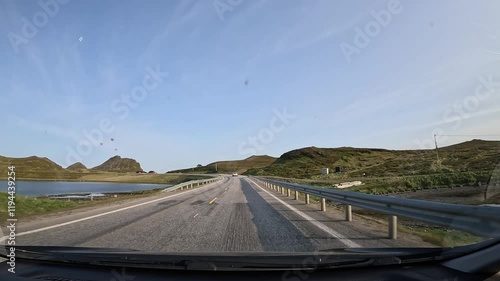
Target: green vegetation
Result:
[387, 185]
[227, 167]
[34, 167]
[29, 206]
[443, 237]
[26, 206]
[413, 183]
[306, 163]
[387, 171]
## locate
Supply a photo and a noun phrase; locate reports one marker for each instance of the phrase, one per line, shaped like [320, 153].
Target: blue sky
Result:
[234, 78]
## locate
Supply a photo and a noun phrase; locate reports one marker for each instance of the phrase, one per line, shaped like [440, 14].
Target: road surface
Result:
[234, 214]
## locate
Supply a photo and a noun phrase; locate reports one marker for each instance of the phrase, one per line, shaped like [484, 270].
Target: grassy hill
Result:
[118, 164]
[78, 167]
[472, 156]
[33, 167]
[239, 166]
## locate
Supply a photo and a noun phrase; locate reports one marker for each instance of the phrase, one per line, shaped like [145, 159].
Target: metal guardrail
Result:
[191, 184]
[478, 220]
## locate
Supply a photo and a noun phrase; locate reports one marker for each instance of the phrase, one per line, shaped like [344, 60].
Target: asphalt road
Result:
[234, 214]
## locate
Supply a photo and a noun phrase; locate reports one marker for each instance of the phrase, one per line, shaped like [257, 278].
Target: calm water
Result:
[42, 188]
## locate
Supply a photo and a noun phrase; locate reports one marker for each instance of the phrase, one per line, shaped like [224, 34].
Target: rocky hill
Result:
[118, 164]
[476, 155]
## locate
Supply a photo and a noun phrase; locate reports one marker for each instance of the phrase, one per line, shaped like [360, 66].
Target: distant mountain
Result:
[118, 164]
[239, 166]
[78, 167]
[476, 155]
[33, 167]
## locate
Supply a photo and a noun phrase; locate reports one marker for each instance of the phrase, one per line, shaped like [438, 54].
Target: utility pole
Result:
[437, 152]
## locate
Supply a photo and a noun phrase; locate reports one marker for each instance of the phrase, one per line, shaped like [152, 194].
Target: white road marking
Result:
[196, 215]
[321, 226]
[100, 215]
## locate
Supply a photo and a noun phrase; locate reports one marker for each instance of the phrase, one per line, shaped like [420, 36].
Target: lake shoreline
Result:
[46, 189]
[115, 177]
[84, 180]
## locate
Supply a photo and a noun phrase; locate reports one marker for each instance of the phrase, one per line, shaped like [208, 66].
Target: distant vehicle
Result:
[235, 174]
[152, 172]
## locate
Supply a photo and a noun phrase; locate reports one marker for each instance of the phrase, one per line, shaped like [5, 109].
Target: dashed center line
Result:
[196, 215]
[213, 200]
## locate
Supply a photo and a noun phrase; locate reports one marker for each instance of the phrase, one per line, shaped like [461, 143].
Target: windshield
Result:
[234, 126]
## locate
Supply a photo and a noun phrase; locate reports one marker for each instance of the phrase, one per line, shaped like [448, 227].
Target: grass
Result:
[435, 235]
[306, 163]
[26, 206]
[388, 185]
[443, 237]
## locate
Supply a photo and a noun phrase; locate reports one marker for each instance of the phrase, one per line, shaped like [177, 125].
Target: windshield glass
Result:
[249, 126]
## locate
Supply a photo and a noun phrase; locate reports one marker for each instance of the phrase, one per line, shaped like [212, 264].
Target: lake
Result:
[44, 188]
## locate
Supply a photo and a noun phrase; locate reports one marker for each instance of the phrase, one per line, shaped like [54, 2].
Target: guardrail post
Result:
[283, 191]
[288, 192]
[296, 195]
[348, 212]
[393, 227]
[307, 198]
[323, 204]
